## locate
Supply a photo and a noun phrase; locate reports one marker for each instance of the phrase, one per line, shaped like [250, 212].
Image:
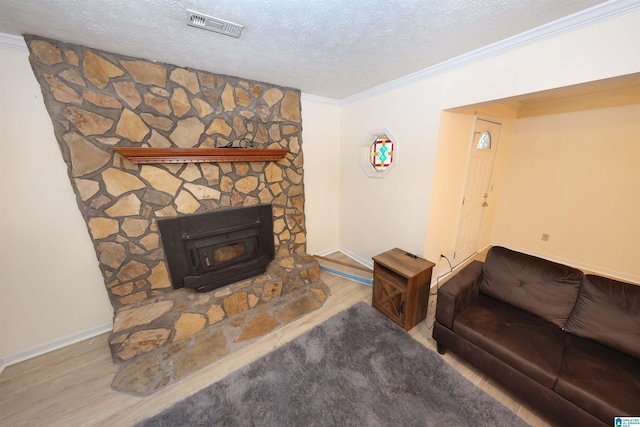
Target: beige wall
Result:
[404, 200]
[575, 175]
[50, 286]
[321, 145]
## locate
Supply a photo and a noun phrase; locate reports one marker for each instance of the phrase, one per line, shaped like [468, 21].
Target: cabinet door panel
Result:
[389, 296]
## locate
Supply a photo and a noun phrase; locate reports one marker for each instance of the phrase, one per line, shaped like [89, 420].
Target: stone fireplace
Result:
[99, 102]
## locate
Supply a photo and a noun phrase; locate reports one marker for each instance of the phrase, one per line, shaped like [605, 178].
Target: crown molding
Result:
[9, 41]
[590, 16]
[319, 99]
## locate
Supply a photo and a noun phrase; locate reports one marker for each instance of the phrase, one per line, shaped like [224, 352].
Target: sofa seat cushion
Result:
[521, 340]
[602, 381]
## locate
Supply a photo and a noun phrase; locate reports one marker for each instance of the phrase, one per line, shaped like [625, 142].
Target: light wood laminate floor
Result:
[71, 386]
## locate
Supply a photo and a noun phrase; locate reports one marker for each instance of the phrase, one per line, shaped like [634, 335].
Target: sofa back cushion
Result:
[546, 289]
[608, 311]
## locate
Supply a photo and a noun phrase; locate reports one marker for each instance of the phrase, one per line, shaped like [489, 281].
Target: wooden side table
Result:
[401, 286]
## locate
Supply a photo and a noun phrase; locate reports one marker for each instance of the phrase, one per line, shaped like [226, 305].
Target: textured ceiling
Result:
[329, 48]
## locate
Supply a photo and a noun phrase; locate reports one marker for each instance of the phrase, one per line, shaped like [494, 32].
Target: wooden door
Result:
[475, 198]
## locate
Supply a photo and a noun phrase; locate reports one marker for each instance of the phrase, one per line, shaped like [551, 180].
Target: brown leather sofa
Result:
[566, 343]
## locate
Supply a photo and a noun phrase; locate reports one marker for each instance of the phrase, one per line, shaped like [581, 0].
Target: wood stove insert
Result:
[210, 250]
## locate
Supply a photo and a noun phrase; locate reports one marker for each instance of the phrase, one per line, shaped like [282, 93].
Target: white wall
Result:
[51, 289]
[321, 148]
[380, 214]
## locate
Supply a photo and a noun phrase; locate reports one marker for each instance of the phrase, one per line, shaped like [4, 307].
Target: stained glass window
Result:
[381, 153]
[378, 153]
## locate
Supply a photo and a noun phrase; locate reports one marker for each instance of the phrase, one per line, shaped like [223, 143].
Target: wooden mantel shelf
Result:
[148, 155]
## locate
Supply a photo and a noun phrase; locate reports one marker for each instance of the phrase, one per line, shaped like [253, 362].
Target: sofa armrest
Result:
[457, 293]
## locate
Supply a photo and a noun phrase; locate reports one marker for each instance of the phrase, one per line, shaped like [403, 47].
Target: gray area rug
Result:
[358, 368]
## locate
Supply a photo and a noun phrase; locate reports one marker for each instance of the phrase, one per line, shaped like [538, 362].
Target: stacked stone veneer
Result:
[98, 100]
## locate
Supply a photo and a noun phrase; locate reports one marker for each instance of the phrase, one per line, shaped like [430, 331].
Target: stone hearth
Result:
[99, 100]
[178, 334]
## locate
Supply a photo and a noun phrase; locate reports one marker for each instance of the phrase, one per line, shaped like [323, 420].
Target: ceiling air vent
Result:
[216, 25]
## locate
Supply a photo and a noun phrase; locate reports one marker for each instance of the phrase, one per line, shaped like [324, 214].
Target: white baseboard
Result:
[11, 359]
[356, 258]
[328, 252]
